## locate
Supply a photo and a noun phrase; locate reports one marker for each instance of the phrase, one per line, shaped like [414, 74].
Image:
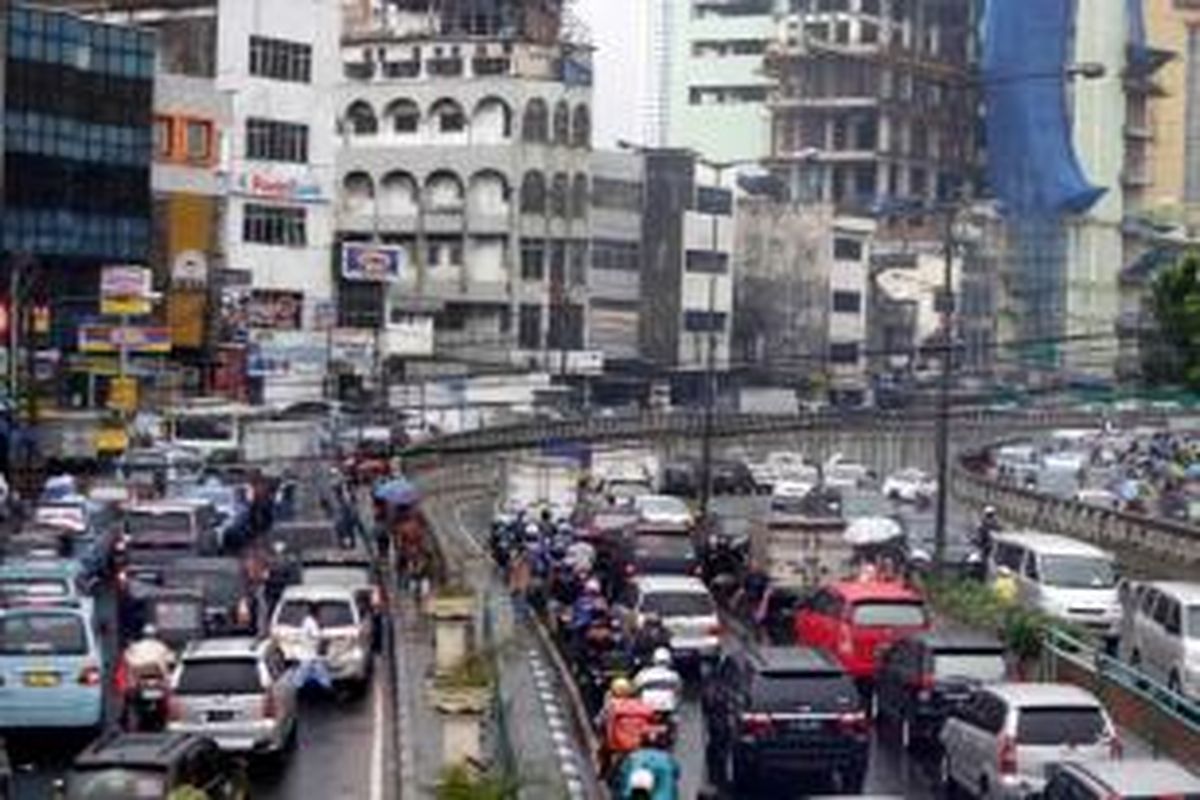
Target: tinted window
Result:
[1008, 555]
[664, 546]
[1193, 622]
[204, 428]
[1055, 725]
[330, 613]
[177, 616]
[50, 633]
[791, 691]
[220, 676]
[880, 614]
[336, 576]
[679, 604]
[1078, 572]
[221, 587]
[986, 666]
[116, 784]
[174, 522]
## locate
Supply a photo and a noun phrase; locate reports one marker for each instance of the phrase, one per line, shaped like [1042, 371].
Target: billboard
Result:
[288, 353]
[99, 338]
[409, 335]
[124, 290]
[353, 350]
[275, 309]
[373, 262]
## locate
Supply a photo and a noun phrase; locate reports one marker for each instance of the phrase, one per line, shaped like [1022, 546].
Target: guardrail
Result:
[1168, 721]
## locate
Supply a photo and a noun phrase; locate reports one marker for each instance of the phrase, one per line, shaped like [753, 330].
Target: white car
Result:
[1160, 633]
[910, 486]
[687, 611]
[1000, 743]
[841, 474]
[663, 509]
[345, 629]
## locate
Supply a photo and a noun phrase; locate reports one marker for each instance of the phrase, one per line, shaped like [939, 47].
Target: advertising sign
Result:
[99, 338]
[353, 350]
[373, 262]
[273, 187]
[274, 309]
[288, 353]
[409, 335]
[123, 394]
[125, 290]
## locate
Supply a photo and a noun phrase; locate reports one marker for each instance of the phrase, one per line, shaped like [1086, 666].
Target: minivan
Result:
[1160, 633]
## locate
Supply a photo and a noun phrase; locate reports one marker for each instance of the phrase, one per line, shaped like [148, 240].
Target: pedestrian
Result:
[311, 667]
[519, 578]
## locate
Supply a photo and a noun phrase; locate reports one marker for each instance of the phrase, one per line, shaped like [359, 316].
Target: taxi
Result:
[42, 582]
[51, 668]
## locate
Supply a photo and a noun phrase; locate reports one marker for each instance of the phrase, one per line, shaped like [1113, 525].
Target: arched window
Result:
[489, 193]
[581, 127]
[361, 120]
[444, 191]
[533, 193]
[491, 122]
[562, 122]
[404, 116]
[448, 116]
[534, 127]
[579, 197]
[558, 194]
[358, 194]
[398, 195]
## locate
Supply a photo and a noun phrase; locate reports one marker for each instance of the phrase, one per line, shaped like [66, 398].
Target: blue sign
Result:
[373, 262]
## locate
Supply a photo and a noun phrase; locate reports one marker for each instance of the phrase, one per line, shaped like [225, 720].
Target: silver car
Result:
[237, 691]
[999, 744]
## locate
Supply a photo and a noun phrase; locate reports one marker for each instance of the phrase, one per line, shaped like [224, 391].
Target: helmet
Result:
[149, 631]
[989, 511]
[661, 657]
[621, 687]
[592, 586]
[532, 529]
[641, 779]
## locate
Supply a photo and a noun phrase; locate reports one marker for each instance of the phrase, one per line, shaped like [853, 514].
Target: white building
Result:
[848, 285]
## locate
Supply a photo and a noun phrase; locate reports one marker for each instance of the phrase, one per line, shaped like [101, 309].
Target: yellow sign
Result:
[125, 306]
[112, 440]
[123, 394]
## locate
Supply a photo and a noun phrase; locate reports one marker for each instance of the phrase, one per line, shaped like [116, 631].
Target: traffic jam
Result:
[783, 643]
[165, 620]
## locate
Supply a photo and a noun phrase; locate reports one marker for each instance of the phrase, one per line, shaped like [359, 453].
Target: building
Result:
[76, 188]
[466, 149]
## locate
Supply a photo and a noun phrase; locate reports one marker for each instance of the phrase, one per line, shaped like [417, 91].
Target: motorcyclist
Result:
[650, 637]
[589, 613]
[149, 654]
[625, 721]
[659, 685]
[147, 664]
[649, 773]
[989, 526]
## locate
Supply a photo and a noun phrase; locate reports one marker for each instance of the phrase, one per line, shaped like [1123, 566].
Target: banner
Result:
[288, 353]
[124, 290]
[98, 338]
[373, 262]
[353, 350]
[276, 310]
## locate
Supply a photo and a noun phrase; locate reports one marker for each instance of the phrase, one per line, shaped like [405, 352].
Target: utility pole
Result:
[710, 391]
[943, 416]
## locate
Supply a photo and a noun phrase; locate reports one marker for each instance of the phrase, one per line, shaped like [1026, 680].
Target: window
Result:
[714, 200]
[703, 321]
[164, 130]
[579, 197]
[879, 613]
[406, 116]
[616, 194]
[533, 259]
[529, 328]
[581, 127]
[560, 189]
[450, 117]
[280, 60]
[562, 122]
[198, 140]
[847, 302]
[536, 123]
[707, 261]
[533, 193]
[224, 676]
[1008, 555]
[847, 249]
[271, 140]
[1051, 726]
[843, 353]
[275, 225]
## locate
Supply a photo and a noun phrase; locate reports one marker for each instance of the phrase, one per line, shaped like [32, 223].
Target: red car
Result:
[857, 620]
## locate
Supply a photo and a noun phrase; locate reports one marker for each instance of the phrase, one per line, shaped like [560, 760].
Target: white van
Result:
[1161, 633]
[1066, 578]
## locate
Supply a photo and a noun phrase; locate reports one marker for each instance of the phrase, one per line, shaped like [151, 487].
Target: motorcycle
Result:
[146, 702]
[661, 690]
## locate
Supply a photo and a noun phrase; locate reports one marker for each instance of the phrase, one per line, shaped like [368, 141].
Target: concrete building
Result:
[468, 151]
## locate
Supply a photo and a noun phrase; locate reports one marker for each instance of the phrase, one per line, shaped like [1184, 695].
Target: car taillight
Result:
[756, 725]
[89, 675]
[715, 629]
[269, 708]
[122, 578]
[855, 722]
[1006, 762]
[630, 569]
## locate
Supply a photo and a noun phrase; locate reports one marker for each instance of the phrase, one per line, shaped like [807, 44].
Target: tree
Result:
[1175, 299]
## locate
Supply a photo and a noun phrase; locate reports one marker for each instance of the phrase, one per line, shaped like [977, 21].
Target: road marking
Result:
[376, 792]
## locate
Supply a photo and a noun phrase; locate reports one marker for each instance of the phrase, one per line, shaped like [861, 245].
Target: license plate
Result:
[41, 680]
[804, 725]
[153, 694]
[220, 716]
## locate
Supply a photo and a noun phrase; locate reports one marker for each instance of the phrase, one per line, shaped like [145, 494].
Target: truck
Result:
[800, 540]
[535, 483]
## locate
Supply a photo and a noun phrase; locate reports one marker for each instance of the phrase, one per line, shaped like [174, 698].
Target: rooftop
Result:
[1053, 543]
[1043, 694]
[1144, 777]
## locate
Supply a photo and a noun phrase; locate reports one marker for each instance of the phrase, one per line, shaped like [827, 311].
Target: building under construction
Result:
[873, 100]
[527, 20]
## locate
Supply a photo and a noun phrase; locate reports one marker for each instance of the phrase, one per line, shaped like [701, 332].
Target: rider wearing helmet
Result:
[648, 773]
[626, 720]
[989, 526]
[149, 654]
[651, 636]
[659, 685]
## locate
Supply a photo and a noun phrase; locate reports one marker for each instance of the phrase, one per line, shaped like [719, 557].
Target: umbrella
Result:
[1193, 471]
[872, 530]
[397, 492]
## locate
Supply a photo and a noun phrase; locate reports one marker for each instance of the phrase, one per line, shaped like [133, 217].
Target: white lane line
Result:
[376, 791]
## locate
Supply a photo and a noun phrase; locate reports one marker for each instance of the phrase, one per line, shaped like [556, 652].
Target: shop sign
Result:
[123, 394]
[274, 309]
[409, 335]
[275, 187]
[373, 262]
[288, 353]
[353, 350]
[99, 338]
[124, 290]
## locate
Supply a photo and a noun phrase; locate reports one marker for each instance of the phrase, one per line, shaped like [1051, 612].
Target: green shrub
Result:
[461, 782]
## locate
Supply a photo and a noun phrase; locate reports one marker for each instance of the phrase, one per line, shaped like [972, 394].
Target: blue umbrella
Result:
[397, 492]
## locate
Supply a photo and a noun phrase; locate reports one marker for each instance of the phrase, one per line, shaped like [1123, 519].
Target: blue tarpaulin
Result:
[1032, 164]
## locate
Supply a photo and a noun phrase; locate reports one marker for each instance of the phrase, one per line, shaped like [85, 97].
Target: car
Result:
[152, 766]
[922, 678]
[1160, 633]
[687, 611]
[346, 630]
[661, 509]
[657, 553]
[300, 536]
[730, 476]
[88, 531]
[680, 479]
[999, 743]
[910, 486]
[841, 474]
[858, 619]
[231, 503]
[239, 691]
[1129, 779]
[159, 532]
[51, 668]
[1064, 578]
[43, 581]
[353, 568]
[780, 712]
[230, 599]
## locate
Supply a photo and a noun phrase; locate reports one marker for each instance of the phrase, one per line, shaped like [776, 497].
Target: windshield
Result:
[213, 586]
[679, 604]
[219, 676]
[116, 783]
[169, 522]
[790, 691]
[986, 666]
[1061, 725]
[43, 634]
[661, 507]
[1078, 572]
[353, 577]
[330, 613]
[900, 614]
[664, 546]
[216, 428]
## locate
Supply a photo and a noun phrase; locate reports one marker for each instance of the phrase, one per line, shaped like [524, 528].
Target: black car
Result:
[680, 478]
[152, 766]
[781, 712]
[662, 554]
[923, 678]
[227, 595]
[732, 477]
